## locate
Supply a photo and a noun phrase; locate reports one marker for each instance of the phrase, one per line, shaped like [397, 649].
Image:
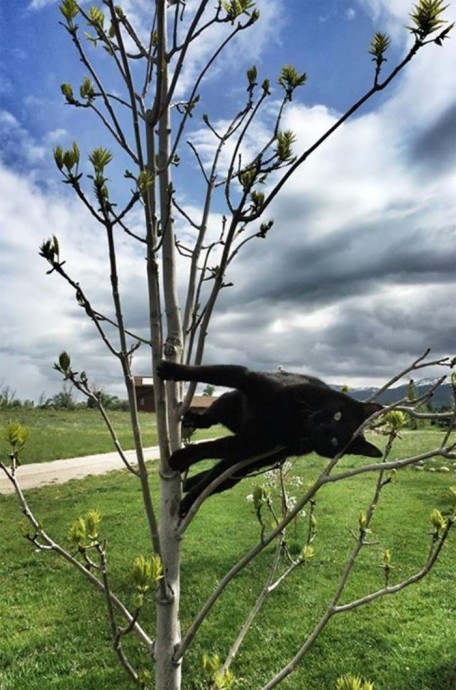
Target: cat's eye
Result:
[337, 417]
[334, 441]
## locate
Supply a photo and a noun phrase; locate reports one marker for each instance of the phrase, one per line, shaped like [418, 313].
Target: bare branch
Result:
[50, 544]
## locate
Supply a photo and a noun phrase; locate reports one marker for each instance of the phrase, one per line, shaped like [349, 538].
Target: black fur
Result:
[280, 414]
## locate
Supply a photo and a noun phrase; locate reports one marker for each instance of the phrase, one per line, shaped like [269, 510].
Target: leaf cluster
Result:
[223, 679]
[84, 532]
[236, 8]
[379, 45]
[351, 682]
[16, 436]
[145, 573]
[290, 79]
[426, 19]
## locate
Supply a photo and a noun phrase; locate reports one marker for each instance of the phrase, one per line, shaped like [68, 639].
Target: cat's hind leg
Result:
[194, 486]
[184, 457]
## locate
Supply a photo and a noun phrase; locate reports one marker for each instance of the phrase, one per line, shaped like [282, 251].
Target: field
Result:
[55, 633]
[59, 434]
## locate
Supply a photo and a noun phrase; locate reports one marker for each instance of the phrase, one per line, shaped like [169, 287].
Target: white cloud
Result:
[40, 4]
[393, 16]
[352, 282]
[40, 316]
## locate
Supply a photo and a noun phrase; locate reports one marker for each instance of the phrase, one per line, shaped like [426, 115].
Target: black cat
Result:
[280, 414]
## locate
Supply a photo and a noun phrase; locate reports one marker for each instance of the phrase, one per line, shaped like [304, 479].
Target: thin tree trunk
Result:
[168, 636]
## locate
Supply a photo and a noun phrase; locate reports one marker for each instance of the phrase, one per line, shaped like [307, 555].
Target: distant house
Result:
[144, 388]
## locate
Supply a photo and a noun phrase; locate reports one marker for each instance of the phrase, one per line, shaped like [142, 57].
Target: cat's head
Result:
[331, 427]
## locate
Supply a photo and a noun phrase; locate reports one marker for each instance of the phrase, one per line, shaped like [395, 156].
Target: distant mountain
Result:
[442, 397]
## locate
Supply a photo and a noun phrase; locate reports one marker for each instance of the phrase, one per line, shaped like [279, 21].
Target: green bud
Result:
[379, 45]
[146, 571]
[64, 361]
[99, 158]
[308, 552]
[265, 227]
[67, 91]
[86, 89]
[138, 600]
[234, 9]
[247, 178]
[260, 495]
[437, 519]
[145, 181]
[285, 140]
[362, 520]
[96, 16]
[93, 520]
[77, 532]
[426, 19]
[395, 419]
[224, 680]
[252, 74]
[16, 435]
[350, 682]
[69, 9]
[257, 198]
[58, 157]
[255, 16]
[71, 157]
[290, 80]
[68, 160]
[386, 558]
[76, 153]
[210, 664]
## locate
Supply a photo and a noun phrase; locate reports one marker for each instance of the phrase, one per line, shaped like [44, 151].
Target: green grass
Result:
[60, 434]
[54, 628]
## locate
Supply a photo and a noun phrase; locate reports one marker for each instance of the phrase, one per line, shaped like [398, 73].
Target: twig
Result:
[50, 544]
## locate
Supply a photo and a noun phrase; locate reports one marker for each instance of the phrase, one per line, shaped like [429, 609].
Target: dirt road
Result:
[60, 471]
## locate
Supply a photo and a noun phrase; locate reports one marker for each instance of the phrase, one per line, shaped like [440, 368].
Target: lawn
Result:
[55, 634]
[59, 434]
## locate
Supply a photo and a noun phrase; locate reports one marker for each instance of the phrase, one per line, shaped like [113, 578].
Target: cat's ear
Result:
[370, 408]
[359, 446]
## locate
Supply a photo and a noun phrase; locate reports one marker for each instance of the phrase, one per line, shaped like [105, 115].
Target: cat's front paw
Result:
[179, 460]
[190, 420]
[168, 371]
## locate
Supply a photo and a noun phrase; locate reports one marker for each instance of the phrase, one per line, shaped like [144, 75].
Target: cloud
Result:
[40, 4]
[435, 147]
[354, 281]
[40, 315]
[358, 273]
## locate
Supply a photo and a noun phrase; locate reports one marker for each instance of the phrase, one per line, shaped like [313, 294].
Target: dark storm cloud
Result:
[317, 271]
[436, 146]
[381, 334]
[380, 293]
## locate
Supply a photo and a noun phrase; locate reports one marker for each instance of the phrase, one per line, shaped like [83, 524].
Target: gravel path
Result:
[60, 471]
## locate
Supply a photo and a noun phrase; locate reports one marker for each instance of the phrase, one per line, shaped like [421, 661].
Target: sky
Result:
[357, 277]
